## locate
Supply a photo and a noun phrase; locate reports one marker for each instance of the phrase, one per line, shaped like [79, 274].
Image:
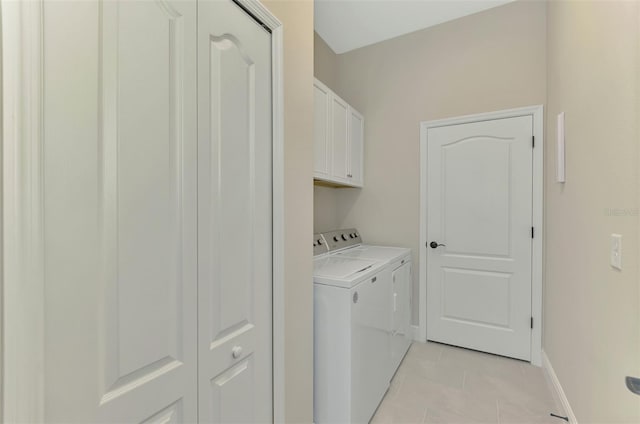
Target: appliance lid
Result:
[380, 253]
[341, 268]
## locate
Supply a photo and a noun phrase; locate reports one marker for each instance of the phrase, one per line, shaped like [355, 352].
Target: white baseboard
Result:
[551, 374]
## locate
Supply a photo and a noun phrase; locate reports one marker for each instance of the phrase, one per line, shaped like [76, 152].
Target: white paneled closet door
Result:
[120, 143]
[158, 212]
[234, 216]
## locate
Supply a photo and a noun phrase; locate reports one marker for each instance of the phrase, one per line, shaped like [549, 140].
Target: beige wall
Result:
[489, 61]
[592, 321]
[297, 18]
[325, 63]
[325, 209]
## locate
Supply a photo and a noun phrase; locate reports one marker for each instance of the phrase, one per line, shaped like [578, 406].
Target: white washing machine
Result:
[357, 316]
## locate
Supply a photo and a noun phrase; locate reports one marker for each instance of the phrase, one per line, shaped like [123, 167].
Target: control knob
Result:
[344, 237]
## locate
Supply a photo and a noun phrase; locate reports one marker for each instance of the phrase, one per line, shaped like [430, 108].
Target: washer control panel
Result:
[339, 239]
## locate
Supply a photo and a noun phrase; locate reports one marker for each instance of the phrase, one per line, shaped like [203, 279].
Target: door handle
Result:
[633, 384]
[435, 244]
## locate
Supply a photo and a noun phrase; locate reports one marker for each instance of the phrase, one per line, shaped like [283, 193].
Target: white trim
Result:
[278, 229]
[415, 333]
[22, 189]
[23, 304]
[263, 14]
[278, 295]
[557, 387]
[536, 112]
[259, 11]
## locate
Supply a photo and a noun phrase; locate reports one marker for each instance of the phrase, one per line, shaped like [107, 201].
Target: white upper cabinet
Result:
[321, 145]
[338, 139]
[356, 144]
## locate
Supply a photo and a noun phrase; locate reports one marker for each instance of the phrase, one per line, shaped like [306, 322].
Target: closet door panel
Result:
[121, 216]
[234, 216]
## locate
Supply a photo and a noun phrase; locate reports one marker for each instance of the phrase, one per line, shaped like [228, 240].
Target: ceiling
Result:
[349, 24]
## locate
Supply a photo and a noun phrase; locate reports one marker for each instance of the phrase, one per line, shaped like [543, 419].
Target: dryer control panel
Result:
[339, 239]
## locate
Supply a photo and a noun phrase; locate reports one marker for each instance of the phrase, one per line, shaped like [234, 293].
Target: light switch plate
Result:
[616, 251]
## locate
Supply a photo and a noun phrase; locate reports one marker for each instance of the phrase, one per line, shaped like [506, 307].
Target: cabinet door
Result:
[340, 139]
[321, 130]
[356, 141]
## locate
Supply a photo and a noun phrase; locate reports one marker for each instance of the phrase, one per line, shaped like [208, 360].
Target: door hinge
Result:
[532, 323]
[532, 232]
[533, 141]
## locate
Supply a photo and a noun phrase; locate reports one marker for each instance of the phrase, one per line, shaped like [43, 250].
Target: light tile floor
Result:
[440, 384]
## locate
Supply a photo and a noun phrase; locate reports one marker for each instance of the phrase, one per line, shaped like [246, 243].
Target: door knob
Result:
[633, 384]
[435, 244]
[236, 352]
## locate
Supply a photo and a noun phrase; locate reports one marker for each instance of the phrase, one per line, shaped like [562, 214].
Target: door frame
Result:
[537, 114]
[22, 320]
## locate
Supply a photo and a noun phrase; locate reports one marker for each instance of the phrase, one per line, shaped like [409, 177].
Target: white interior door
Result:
[157, 212]
[479, 188]
[234, 216]
[120, 211]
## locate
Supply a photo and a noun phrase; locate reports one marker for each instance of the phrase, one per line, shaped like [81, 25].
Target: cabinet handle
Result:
[349, 175]
[374, 279]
